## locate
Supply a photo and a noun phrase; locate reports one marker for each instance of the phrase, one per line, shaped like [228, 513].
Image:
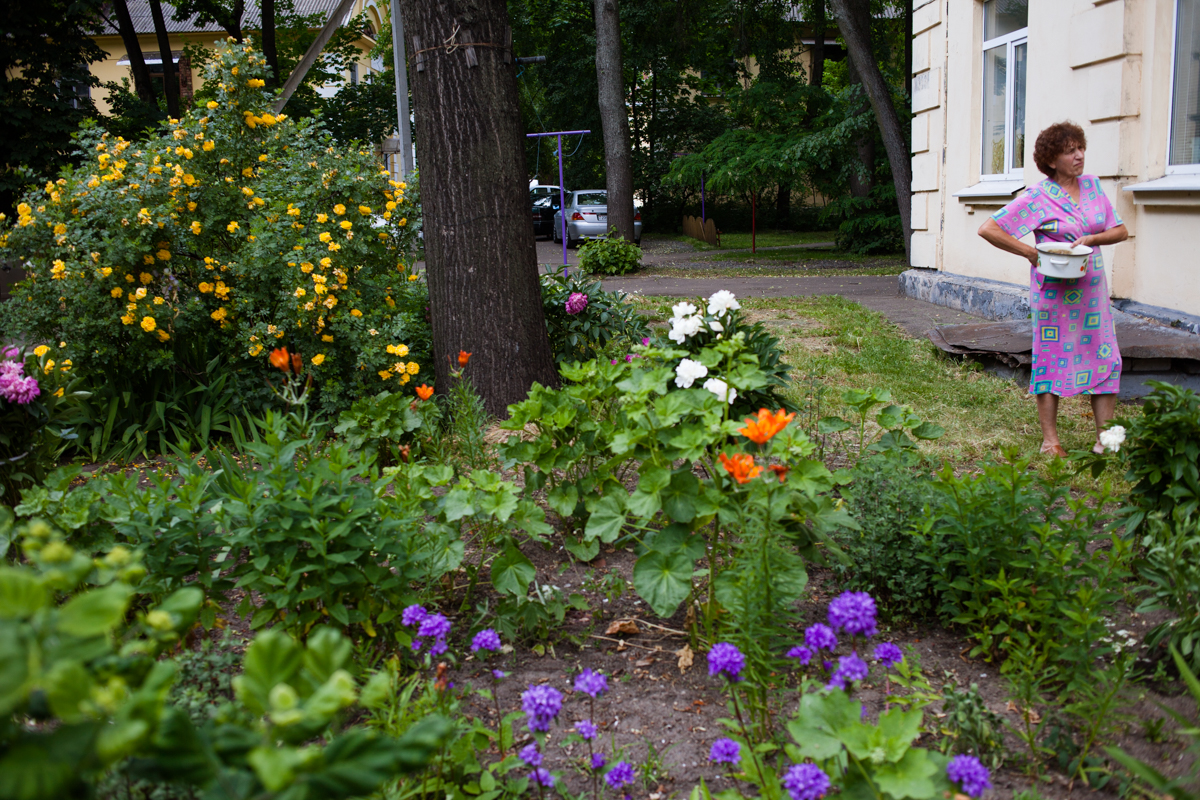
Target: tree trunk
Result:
[137, 63]
[614, 117]
[783, 206]
[908, 48]
[863, 179]
[270, 52]
[854, 23]
[170, 76]
[481, 265]
[816, 76]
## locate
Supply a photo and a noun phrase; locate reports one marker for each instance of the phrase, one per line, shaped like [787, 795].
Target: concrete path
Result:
[877, 292]
[549, 254]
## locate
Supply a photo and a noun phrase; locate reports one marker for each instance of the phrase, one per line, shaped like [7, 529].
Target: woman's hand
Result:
[996, 236]
[1118, 233]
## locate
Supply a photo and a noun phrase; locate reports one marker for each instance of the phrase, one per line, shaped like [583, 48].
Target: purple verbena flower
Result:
[725, 659]
[888, 654]
[725, 751]
[970, 774]
[439, 646]
[820, 637]
[850, 668]
[541, 705]
[577, 302]
[806, 782]
[434, 625]
[487, 640]
[591, 683]
[413, 615]
[531, 755]
[542, 777]
[802, 653]
[499, 674]
[598, 761]
[587, 729]
[620, 775]
[854, 613]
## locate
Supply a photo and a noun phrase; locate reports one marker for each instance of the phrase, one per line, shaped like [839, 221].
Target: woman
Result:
[1074, 341]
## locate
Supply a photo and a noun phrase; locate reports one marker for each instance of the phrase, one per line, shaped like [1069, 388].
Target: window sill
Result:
[1173, 190]
[995, 191]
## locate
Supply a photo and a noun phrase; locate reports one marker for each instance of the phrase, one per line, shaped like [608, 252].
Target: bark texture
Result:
[137, 62]
[270, 51]
[479, 252]
[170, 76]
[816, 76]
[614, 117]
[854, 23]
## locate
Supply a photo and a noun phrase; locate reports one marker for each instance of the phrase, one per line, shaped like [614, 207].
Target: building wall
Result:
[1104, 64]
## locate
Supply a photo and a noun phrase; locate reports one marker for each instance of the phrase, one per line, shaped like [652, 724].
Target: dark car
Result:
[545, 203]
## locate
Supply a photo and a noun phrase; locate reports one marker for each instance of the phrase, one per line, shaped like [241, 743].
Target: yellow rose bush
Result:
[233, 232]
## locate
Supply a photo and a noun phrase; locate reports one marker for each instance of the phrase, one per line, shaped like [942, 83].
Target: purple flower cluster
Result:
[620, 775]
[593, 684]
[888, 654]
[531, 755]
[850, 668]
[487, 640]
[430, 626]
[725, 659]
[806, 782]
[598, 761]
[542, 777]
[587, 729]
[817, 638]
[725, 751]
[541, 705]
[854, 613]
[577, 302]
[970, 774]
[15, 385]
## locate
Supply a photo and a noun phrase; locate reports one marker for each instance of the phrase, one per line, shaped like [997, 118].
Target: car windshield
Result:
[591, 199]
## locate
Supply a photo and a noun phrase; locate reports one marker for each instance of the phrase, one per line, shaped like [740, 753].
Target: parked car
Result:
[545, 203]
[587, 218]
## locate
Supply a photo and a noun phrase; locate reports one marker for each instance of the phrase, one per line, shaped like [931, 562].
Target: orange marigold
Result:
[767, 425]
[424, 392]
[741, 467]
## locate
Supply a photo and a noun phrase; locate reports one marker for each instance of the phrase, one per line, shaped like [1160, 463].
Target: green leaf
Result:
[831, 425]
[913, 776]
[583, 550]
[327, 652]
[21, 593]
[272, 658]
[928, 430]
[606, 519]
[563, 499]
[663, 580]
[68, 686]
[679, 498]
[512, 572]
[94, 613]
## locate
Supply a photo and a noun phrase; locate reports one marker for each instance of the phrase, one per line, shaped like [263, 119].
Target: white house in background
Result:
[988, 75]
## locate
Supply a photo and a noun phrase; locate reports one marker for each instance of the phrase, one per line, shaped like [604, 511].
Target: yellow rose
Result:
[220, 314]
[256, 349]
[148, 324]
[322, 217]
[326, 262]
[127, 319]
[364, 210]
[402, 350]
[191, 206]
[299, 292]
[326, 236]
[334, 246]
[106, 271]
[404, 378]
[232, 226]
[412, 277]
[116, 292]
[41, 350]
[196, 227]
[163, 336]
[140, 293]
[163, 255]
[325, 337]
[318, 359]
[158, 301]
[354, 312]
[256, 83]
[346, 224]
[60, 229]
[146, 278]
[205, 287]
[339, 209]
[413, 368]
[211, 104]
[385, 375]
[207, 146]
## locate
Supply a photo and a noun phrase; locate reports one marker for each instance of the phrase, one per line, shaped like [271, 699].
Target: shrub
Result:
[376, 427]
[884, 557]
[1171, 575]
[32, 436]
[231, 232]
[610, 256]
[1161, 455]
[579, 334]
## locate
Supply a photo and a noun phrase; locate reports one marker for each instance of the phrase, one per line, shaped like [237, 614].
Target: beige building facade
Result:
[988, 75]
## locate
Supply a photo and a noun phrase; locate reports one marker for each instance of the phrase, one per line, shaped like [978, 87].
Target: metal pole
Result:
[310, 55]
[400, 63]
[562, 203]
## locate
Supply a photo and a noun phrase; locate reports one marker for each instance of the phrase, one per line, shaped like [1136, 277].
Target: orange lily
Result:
[741, 467]
[767, 425]
[424, 392]
[280, 358]
[780, 470]
[297, 363]
[463, 358]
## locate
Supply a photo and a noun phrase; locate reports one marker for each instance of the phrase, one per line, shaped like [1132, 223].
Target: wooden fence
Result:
[704, 231]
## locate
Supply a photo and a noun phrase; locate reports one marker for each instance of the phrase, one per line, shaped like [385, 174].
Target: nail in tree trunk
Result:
[270, 51]
[854, 23]
[170, 75]
[133, 48]
[481, 265]
[614, 117]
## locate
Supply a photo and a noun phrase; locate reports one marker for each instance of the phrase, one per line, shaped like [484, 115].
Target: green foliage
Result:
[229, 233]
[1170, 571]
[1161, 455]
[970, 726]
[899, 425]
[887, 493]
[376, 427]
[1011, 559]
[607, 324]
[871, 225]
[34, 435]
[610, 256]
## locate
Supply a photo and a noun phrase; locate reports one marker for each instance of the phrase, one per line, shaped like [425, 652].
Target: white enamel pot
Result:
[1062, 260]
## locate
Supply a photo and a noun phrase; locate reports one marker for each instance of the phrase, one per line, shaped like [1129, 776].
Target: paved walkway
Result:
[549, 254]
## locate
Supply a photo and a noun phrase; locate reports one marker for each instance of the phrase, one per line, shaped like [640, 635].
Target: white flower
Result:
[721, 389]
[684, 328]
[716, 326]
[688, 372]
[721, 302]
[681, 310]
[1112, 438]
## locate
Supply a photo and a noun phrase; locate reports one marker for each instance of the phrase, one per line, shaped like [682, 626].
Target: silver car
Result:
[587, 218]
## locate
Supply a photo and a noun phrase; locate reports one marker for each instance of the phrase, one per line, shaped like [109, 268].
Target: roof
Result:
[143, 22]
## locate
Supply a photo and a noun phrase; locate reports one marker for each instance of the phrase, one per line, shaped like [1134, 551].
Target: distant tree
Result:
[614, 117]
[170, 75]
[133, 49]
[44, 84]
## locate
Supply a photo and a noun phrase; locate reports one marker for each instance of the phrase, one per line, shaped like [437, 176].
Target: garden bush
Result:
[230, 233]
[32, 410]
[611, 255]
[1170, 572]
[584, 321]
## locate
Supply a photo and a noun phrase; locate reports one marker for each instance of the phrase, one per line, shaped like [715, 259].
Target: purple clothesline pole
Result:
[701, 198]
[562, 200]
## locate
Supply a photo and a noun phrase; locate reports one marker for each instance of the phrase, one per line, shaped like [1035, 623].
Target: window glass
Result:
[1002, 17]
[591, 199]
[1019, 69]
[1185, 100]
[995, 100]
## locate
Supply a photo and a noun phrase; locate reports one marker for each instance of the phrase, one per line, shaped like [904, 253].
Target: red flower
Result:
[279, 358]
[767, 425]
[463, 358]
[741, 467]
[424, 392]
[780, 470]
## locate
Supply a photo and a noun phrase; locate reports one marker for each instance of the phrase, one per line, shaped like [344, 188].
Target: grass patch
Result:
[736, 241]
[806, 256]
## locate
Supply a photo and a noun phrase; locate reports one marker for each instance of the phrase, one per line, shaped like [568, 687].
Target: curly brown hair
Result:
[1051, 143]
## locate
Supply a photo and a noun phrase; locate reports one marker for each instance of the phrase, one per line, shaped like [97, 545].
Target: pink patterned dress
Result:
[1074, 340]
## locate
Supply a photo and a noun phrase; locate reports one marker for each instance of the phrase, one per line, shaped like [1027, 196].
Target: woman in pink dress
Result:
[1074, 341]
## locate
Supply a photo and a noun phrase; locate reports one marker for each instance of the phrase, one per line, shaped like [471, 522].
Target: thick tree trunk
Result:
[863, 179]
[480, 260]
[170, 76]
[614, 117]
[816, 75]
[270, 52]
[854, 22]
[137, 62]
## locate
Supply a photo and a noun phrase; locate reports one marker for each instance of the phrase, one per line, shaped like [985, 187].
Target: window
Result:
[1005, 50]
[1185, 90]
[353, 72]
[591, 199]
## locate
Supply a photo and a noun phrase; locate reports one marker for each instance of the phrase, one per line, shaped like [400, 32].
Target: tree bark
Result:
[133, 48]
[816, 76]
[614, 117]
[170, 76]
[854, 23]
[862, 180]
[481, 265]
[270, 52]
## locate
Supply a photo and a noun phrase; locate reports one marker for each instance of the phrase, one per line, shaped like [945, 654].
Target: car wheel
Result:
[572, 243]
[638, 241]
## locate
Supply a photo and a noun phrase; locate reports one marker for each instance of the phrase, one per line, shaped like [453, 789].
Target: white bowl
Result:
[1062, 260]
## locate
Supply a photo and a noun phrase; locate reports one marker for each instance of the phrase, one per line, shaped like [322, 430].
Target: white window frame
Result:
[1011, 40]
[1178, 169]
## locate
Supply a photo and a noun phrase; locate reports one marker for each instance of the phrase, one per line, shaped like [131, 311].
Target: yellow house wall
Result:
[1111, 74]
